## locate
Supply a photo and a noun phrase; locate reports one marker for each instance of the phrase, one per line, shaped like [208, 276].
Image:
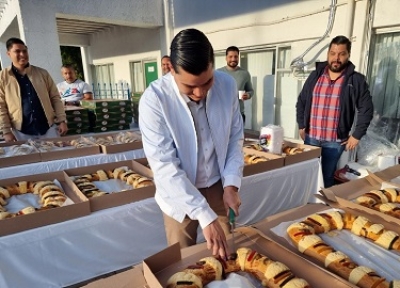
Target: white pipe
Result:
[167, 26]
[350, 18]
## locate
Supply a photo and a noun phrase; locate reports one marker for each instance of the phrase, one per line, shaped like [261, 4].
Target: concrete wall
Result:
[122, 45]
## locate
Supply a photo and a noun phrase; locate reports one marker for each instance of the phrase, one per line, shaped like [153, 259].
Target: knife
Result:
[232, 222]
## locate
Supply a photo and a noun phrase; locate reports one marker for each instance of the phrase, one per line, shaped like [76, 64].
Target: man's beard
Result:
[232, 64]
[339, 68]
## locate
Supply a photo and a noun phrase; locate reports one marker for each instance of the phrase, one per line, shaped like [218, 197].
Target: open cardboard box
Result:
[311, 153]
[67, 152]
[19, 159]
[158, 268]
[48, 216]
[119, 147]
[343, 195]
[121, 197]
[132, 278]
[301, 213]
[274, 162]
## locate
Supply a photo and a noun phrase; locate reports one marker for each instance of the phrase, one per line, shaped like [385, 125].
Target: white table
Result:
[73, 251]
[64, 164]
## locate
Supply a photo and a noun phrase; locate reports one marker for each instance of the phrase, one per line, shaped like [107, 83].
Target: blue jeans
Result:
[330, 155]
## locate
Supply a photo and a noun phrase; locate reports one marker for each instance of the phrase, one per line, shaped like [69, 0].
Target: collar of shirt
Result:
[15, 70]
[326, 74]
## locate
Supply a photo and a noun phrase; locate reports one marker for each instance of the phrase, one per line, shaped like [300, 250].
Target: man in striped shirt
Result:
[326, 108]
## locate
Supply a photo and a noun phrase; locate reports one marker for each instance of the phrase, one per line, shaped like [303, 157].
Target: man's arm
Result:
[173, 185]
[365, 109]
[87, 92]
[5, 123]
[55, 99]
[248, 87]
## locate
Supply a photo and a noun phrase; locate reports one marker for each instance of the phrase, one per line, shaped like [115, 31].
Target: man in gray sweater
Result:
[242, 76]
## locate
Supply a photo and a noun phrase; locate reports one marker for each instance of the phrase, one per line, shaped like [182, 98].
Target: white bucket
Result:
[271, 139]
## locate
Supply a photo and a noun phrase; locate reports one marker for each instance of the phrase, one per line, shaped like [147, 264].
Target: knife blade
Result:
[232, 222]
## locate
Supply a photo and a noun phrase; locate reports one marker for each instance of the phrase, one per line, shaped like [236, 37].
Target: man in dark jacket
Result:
[331, 97]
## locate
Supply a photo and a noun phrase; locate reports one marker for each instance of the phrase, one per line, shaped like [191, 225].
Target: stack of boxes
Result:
[77, 120]
[108, 114]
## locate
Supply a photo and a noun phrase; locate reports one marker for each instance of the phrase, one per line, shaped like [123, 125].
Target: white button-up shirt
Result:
[171, 145]
[207, 163]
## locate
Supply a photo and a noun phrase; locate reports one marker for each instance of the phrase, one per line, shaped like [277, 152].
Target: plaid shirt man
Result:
[324, 116]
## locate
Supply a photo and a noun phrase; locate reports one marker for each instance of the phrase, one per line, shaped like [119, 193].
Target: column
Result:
[38, 28]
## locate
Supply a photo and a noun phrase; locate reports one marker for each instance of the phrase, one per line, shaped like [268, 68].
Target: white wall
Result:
[122, 45]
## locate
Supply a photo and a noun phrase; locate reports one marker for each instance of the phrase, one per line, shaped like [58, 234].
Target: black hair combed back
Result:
[10, 42]
[340, 40]
[191, 51]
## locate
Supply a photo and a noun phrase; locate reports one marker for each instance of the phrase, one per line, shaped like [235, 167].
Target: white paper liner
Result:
[244, 280]
[18, 202]
[8, 152]
[362, 251]
[111, 185]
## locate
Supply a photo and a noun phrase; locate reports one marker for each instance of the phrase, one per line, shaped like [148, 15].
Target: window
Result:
[104, 85]
[384, 77]
[137, 77]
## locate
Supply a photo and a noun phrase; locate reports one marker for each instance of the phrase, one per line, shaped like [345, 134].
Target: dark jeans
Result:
[244, 118]
[330, 155]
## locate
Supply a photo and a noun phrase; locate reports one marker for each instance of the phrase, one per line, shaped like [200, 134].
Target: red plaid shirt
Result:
[324, 117]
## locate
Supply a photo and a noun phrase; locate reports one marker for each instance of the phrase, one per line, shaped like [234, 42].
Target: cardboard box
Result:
[106, 103]
[121, 147]
[19, 159]
[68, 152]
[132, 278]
[311, 153]
[302, 212]
[274, 162]
[159, 267]
[48, 216]
[122, 197]
[343, 195]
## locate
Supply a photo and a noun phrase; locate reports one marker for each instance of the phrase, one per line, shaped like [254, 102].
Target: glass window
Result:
[104, 85]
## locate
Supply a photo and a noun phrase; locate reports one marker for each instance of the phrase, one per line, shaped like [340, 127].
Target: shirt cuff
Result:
[232, 180]
[205, 217]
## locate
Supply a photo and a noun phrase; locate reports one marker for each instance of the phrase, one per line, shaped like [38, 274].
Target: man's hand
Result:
[232, 199]
[9, 137]
[62, 128]
[245, 96]
[216, 240]
[302, 133]
[351, 143]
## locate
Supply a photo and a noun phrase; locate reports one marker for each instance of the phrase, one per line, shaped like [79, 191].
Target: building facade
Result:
[122, 42]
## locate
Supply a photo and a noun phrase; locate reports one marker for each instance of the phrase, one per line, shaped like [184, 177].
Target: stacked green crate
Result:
[110, 115]
[77, 120]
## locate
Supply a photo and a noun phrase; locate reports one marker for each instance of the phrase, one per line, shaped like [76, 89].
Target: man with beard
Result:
[242, 76]
[165, 64]
[331, 97]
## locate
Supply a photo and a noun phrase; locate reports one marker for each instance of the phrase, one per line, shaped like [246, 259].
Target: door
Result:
[150, 72]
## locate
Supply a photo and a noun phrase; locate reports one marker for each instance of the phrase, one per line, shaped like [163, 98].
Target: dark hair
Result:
[231, 48]
[10, 42]
[165, 56]
[191, 51]
[339, 40]
[68, 66]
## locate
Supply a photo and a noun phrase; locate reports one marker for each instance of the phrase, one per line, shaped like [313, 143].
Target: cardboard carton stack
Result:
[77, 120]
[110, 115]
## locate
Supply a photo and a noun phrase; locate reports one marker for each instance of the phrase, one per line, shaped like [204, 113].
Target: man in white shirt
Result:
[72, 90]
[192, 134]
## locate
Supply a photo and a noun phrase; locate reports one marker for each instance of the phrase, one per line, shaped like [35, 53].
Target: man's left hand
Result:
[245, 96]
[351, 143]
[232, 199]
[62, 128]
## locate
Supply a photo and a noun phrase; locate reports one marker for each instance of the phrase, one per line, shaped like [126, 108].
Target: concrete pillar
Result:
[38, 28]
[86, 61]
[4, 59]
